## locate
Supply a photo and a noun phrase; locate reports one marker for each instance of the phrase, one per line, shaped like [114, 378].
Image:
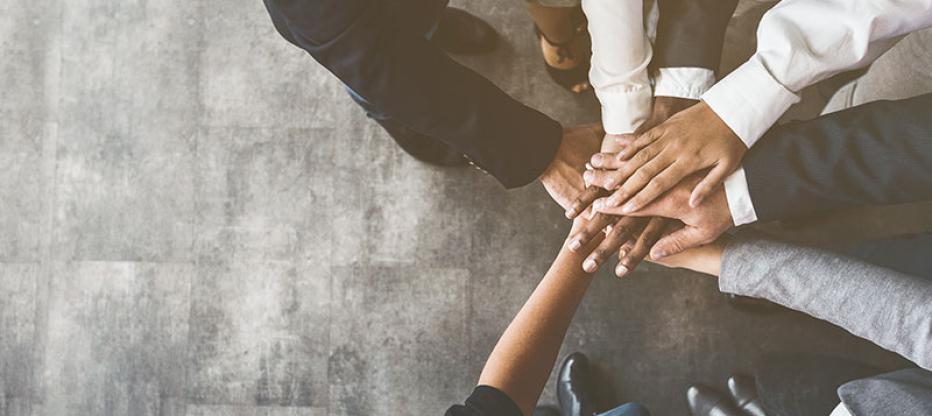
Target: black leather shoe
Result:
[744, 393]
[462, 33]
[423, 148]
[706, 401]
[573, 389]
[752, 305]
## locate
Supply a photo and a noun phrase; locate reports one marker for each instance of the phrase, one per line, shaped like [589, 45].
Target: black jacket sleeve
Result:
[383, 56]
[690, 33]
[486, 401]
[874, 154]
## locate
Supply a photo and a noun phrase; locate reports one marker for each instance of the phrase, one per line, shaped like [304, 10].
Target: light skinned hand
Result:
[663, 109]
[702, 224]
[563, 177]
[651, 163]
[704, 259]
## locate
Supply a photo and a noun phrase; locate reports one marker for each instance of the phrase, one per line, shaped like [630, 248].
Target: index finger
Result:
[589, 230]
[584, 200]
[654, 230]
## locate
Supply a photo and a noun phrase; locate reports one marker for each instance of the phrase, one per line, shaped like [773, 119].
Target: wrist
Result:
[669, 106]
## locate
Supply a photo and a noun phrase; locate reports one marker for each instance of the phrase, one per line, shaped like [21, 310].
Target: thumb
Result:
[678, 242]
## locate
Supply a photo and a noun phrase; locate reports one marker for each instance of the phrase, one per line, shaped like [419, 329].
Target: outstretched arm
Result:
[891, 309]
[380, 52]
[874, 154]
[525, 354]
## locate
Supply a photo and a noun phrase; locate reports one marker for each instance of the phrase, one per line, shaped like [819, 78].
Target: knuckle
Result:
[656, 184]
[640, 176]
[642, 157]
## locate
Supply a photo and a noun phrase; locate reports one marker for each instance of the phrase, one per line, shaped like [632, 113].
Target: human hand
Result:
[663, 108]
[702, 224]
[563, 178]
[704, 259]
[653, 162]
[630, 237]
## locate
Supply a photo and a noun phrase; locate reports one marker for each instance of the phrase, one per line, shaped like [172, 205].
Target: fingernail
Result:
[590, 266]
[621, 270]
[657, 255]
[589, 166]
[597, 159]
[627, 209]
[575, 245]
[587, 176]
[570, 213]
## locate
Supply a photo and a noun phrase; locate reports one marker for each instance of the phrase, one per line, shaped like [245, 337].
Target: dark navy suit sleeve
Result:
[874, 154]
[690, 33]
[383, 56]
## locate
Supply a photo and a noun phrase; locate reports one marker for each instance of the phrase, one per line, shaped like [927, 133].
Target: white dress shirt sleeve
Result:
[739, 198]
[683, 82]
[621, 52]
[801, 42]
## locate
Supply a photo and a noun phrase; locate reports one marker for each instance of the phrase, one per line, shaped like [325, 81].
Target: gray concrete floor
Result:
[195, 220]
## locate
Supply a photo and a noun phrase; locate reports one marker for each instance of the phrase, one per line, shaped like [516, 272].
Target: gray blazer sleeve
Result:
[874, 154]
[891, 309]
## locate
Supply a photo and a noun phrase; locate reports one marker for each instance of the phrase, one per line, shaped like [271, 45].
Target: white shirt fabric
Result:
[621, 52]
[840, 410]
[622, 34]
[799, 43]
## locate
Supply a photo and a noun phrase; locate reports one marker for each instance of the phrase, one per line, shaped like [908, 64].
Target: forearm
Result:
[380, 56]
[875, 154]
[621, 53]
[688, 47]
[802, 42]
[888, 308]
[525, 354]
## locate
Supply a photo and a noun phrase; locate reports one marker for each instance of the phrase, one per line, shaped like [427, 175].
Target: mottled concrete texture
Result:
[195, 220]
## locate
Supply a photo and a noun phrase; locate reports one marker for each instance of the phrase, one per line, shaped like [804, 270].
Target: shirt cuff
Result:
[624, 111]
[739, 198]
[749, 100]
[683, 82]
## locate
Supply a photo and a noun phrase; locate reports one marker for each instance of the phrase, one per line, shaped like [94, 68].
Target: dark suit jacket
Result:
[874, 154]
[377, 48]
[690, 33]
